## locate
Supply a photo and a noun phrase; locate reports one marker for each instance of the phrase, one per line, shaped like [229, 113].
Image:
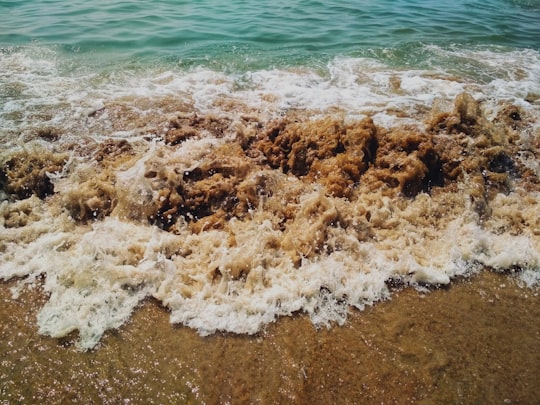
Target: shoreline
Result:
[475, 340]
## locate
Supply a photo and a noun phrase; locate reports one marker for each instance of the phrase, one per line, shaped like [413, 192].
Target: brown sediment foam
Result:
[216, 189]
[112, 149]
[20, 213]
[183, 127]
[95, 196]
[276, 168]
[484, 151]
[26, 173]
[323, 192]
[230, 180]
[346, 159]
[307, 233]
[407, 160]
[327, 151]
[50, 134]
[359, 158]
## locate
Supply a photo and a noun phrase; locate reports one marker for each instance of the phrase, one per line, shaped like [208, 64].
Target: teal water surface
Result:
[269, 31]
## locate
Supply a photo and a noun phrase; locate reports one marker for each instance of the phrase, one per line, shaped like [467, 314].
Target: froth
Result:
[43, 89]
[234, 200]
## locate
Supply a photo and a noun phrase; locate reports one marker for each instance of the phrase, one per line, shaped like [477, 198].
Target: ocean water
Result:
[241, 161]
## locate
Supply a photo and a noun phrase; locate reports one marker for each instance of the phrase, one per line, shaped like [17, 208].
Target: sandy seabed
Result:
[476, 341]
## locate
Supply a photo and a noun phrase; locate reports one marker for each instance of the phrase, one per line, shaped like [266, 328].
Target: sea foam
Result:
[235, 199]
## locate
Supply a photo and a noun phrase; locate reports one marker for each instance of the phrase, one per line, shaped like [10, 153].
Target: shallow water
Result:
[473, 342]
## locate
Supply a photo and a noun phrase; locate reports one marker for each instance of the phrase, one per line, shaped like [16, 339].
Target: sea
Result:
[240, 162]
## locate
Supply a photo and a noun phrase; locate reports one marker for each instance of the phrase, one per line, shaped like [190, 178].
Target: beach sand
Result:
[476, 341]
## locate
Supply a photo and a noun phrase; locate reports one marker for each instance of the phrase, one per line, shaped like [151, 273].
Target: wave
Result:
[236, 198]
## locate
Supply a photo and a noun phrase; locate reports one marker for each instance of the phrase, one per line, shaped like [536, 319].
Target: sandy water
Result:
[475, 342]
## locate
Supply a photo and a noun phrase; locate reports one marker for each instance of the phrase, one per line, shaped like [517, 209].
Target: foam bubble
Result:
[44, 89]
[234, 199]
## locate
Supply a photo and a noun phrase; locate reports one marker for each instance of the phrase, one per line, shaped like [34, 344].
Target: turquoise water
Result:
[266, 32]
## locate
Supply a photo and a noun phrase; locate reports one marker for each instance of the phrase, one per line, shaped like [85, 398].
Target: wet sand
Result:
[477, 341]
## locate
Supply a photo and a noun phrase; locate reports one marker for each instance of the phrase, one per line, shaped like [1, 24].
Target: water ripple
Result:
[331, 26]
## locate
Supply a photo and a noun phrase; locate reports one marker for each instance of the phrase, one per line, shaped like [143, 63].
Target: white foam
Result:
[43, 91]
[97, 275]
